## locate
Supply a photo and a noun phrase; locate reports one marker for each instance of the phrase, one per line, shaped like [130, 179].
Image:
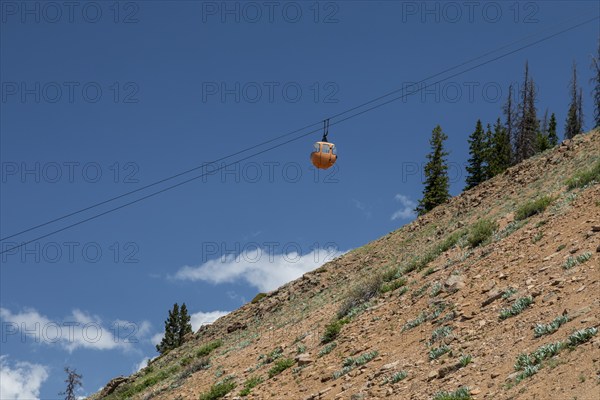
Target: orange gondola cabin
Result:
[324, 153]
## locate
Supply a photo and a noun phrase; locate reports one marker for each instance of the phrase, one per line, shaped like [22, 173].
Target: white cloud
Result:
[258, 267]
[141, 364]
[78, 330]
[408, 208]
[156, 339]
[204, 318]
[22, 381]
[362, 207]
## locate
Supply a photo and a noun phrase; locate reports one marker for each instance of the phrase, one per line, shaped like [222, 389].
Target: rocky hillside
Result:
[494, 295]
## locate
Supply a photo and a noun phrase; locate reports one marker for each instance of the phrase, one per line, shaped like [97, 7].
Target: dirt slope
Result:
[442, 296]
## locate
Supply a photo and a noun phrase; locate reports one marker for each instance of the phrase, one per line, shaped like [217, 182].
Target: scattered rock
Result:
[237, 326]
[304, 359]
[112, 386]
[454, 283]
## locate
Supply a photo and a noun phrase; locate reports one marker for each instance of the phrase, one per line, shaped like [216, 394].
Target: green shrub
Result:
[250, 384]
[438, 352]
[258, 298]
[328, 348]
[332, 331]
[280, 366]
[541, 329]
[350, 363]
[581, 336]
[218, 390]
[481, 231]
[361, 293]
[398, 376]
[393, 285]
[517, 308]
[532, 208]
[583, 178]
[465, 360]
[208, 348]
[462, 393]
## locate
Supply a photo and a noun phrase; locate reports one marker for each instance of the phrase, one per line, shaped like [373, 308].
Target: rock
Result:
[596, 228]
[237, 326]
[598, 249]
[112, 386]
[454, 283]
[389, 366]
[488, 286]
[432, 375]
[304, 359]
[493, 296]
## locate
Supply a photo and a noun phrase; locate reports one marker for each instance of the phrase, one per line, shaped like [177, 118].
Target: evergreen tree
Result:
[488, 154]
[73, 381]
[501, 150]
[542, 140]
[476, 167]
[552, 135]
[170, 339]
[436, 174]
[528, 125]
[184, 323]
[510, 119]
[574, 119]
[596, 91]
[176, 327]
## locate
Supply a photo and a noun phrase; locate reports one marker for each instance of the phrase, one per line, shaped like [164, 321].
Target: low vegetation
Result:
[218, 390]
[574, 261]
[530, 364]
[350, 363]
[437, 352]
[280, 366]
[481, 231]
[532, 208]
[584, 178]
[547, 329]
[208, 348]
[250, 384]
[462, 393]
[517, 308]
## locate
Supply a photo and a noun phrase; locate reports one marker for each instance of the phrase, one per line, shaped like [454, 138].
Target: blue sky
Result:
[100, 99]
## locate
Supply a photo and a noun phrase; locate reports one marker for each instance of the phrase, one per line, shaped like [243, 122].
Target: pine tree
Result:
[436, 174]
[184, 324]
[574, 119]
[542, 140]
[580, 111]
[596, 91]
[552, 135]
[475, 169]
[528, 124]
[170, 339]
[176, 327]
[501, 150]
[73, 381]
[510, 119]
